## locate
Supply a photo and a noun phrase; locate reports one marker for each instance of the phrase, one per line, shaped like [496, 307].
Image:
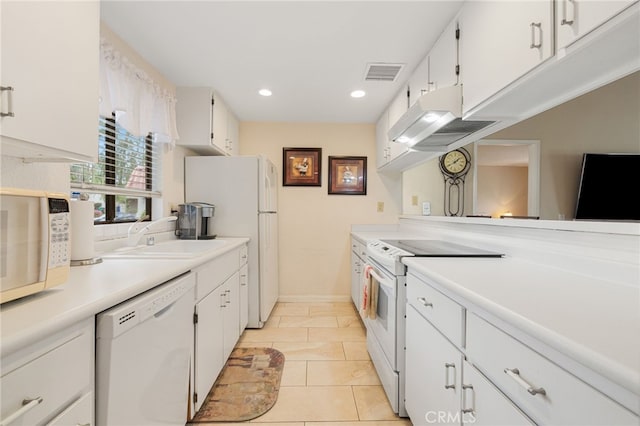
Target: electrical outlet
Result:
[414, 200]
[380, 206]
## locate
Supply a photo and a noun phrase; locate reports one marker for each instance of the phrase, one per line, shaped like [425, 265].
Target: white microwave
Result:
[34, 242]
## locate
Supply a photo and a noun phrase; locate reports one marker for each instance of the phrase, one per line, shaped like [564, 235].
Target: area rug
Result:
[247, 387]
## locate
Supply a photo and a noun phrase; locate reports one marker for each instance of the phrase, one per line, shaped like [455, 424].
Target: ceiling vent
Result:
[382, 72]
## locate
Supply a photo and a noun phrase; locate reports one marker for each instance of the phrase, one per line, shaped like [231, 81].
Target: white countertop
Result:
[594, 322]
[90, 290]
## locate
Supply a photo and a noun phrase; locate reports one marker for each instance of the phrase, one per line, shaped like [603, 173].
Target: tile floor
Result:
[328, 378]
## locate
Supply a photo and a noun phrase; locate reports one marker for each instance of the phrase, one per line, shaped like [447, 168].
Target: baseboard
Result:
[313, 299]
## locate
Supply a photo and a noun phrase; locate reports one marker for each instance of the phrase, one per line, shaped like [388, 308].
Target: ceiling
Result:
[310, 54]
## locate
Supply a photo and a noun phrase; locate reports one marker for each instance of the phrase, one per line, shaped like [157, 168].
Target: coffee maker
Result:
[195, 221]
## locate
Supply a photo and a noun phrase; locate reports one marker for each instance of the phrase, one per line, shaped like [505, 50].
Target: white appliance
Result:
[386, 332]
[35, 234]
[143, 353]
[244, 191]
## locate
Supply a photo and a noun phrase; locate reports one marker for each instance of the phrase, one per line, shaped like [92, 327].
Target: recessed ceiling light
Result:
[358, 93]
[265, 92]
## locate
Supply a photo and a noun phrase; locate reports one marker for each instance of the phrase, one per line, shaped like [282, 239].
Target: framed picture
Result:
[348, 175]
[301, 166]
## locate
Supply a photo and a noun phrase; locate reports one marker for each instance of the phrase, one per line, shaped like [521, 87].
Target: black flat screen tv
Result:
[609, 187]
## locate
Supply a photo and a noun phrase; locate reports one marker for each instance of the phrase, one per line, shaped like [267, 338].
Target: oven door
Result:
[383, 326]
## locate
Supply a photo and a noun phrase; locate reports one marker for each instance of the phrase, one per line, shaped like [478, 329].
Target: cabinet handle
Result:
[514, 373]
[27, 405]
[424, 302]
[565, 20]
[446, 375]
[535, 25]
[223, 304]
[464, 400]
[10, 101]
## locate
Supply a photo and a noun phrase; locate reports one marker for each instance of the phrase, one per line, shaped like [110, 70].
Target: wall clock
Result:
[454, 166]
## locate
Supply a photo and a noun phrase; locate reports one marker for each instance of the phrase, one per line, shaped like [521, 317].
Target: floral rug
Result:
[247, 387]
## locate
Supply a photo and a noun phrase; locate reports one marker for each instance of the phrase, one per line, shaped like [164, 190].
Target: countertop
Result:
[592, 321]
[90, 290]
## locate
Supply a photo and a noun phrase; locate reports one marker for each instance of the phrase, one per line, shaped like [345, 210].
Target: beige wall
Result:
[502, 189]
[314, 226]
[605, 120]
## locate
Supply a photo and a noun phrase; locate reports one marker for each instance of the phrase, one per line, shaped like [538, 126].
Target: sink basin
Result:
[175, 249]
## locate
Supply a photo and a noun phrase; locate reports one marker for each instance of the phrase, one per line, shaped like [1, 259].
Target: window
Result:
[124, 179]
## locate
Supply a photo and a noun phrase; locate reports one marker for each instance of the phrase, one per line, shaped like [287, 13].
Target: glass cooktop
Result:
[439, 248]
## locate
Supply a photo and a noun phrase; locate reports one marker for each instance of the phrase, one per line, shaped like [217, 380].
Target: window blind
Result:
[127, 164]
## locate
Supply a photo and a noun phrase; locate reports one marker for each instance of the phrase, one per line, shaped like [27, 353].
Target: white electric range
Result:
[386, 329]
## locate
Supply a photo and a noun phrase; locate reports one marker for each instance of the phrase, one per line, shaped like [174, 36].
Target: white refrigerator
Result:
[244, 192]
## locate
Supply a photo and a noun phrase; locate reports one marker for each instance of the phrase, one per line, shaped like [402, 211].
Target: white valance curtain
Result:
[141, 104]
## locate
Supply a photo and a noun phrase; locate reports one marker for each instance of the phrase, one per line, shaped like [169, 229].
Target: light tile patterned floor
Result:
[328, 377]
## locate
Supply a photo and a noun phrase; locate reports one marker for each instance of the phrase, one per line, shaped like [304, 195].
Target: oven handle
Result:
[381, 280]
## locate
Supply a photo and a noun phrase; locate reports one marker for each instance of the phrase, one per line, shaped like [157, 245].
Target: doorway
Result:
[506, 178]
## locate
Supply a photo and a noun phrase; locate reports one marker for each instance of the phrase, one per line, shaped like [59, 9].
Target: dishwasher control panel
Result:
[154, 302]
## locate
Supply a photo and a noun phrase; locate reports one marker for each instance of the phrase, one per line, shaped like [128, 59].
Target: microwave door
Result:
[23, 248]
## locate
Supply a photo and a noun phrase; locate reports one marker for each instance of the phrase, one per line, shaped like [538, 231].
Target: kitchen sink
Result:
[175, 249]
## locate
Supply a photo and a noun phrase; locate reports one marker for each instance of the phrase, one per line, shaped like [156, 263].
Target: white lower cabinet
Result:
[543, 390]
[244, 297]
[484, 405]
[231, 313]
[221, 302]
[472, 372]
[209, 352]
[358, 254]
[51, 382]
[434, 371]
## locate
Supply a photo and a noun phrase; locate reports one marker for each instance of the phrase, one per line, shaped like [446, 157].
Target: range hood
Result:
[435, 121]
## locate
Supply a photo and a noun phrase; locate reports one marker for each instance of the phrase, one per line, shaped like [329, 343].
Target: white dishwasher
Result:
[143, 351]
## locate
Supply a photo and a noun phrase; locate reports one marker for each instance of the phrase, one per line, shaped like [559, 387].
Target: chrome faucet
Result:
[133, 237]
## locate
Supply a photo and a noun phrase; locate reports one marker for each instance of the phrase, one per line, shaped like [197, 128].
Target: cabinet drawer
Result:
[78, 413]
[566, 399]
[59, 377]
[445, 314]
[211, 275]
[358, 248]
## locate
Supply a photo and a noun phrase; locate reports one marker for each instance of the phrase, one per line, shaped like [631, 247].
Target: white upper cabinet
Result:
[443, 59]
[203, 122]
[501, 41]
[233, 134]
[382, 141]
[575, 18]
[49, 75]
[419, 81]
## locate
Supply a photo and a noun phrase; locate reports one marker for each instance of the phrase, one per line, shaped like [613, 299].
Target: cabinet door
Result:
[397, 108]
[231, 312]
[382, 140]
[209, 351]
[193, 116]
[500, 42]
[244, 297]
[418, 81]
[484, 405]
[233, 145]
[219, 123]
[443, 59]
[433, 365]
[576, 18]
[356, 278]
[50, 54]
